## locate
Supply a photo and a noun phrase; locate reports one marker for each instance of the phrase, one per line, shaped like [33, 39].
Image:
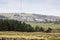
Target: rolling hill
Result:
[26, 17]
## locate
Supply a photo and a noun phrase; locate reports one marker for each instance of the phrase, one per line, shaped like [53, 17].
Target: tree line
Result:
[14, 25]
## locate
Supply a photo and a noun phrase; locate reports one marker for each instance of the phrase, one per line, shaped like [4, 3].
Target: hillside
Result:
[29, 17]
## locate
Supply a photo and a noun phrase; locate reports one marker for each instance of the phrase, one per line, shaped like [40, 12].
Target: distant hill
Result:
[26, 17]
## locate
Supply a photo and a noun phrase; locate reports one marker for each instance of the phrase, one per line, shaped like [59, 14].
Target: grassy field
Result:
[31, 35]
[45, 25]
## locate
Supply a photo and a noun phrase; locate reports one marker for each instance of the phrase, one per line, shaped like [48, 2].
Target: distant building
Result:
[39, 20]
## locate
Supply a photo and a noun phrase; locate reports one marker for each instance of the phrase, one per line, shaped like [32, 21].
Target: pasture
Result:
[45, 25]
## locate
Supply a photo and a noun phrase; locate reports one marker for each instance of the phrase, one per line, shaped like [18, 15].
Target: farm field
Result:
[45, 25]
[30, 35]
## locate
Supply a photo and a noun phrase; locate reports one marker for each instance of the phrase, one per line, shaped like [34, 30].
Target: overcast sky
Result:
[10, 6]
[46, 7]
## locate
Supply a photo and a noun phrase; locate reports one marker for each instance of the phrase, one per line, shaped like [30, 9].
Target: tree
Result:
[49, 30]
[29, 28]
[14, 25]
[41, 29]
[46, 21]
[37, 29]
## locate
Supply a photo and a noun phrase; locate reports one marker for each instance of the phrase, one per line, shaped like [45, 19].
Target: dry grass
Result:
[30, 35]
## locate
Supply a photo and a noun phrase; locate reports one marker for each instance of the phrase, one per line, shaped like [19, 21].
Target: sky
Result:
[46, 7]
[10, 6]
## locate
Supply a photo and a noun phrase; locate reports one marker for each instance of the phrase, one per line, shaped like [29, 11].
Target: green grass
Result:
[45, 25]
